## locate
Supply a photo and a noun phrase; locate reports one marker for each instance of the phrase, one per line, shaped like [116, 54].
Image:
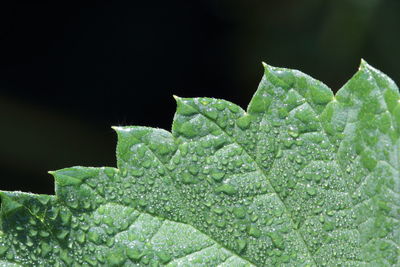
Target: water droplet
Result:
[317, 178]
[317, 210]
[278, 212]
[94, 237]
[142, 203]
[279, 154]
[241, 245]
[328, 226]
[239, 212]
[299, 160]
[32, 232]
[311, 191]
[217, 175]
[288, 143]
[164, 257]
[62, 234]
[233, 108]
[188, 129]
[110, 241]
[136, 172]
[116, 258]
[218, 210]
[43, 233]
[254, 218]
[293, 133]
[220, 223]
[146, 164]
[220, 106]
[277, 240]
[348, 169]
[187, 178]
[134, 254]
[244, 122]
[212, 113]
[161, 171]
[227, 189]
[193, 169]
[66, 258]
[254, 231]
[208, 204]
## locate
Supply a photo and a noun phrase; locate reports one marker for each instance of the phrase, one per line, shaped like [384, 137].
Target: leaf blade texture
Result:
[302, 178]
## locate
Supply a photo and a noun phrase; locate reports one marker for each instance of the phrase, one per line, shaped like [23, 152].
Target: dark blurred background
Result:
[69, 72]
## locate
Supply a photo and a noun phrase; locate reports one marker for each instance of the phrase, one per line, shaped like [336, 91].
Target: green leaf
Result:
[303, 178]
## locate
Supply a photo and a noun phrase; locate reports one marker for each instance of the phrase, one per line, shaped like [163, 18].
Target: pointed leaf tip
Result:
[363, 64]
[183, 108]
[267, 68]
[177, 99]
[121, 129]
[74, 175]
[116, 128]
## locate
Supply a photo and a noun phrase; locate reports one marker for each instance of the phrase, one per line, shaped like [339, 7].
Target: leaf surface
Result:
[303, 178]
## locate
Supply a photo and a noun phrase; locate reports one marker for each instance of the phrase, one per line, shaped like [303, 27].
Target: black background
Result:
[69, 72]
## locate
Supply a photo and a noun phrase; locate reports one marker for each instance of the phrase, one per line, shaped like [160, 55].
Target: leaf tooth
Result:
[8, 204]
[73, 176]
[177, 98]
[120, 128]
[363, 64]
